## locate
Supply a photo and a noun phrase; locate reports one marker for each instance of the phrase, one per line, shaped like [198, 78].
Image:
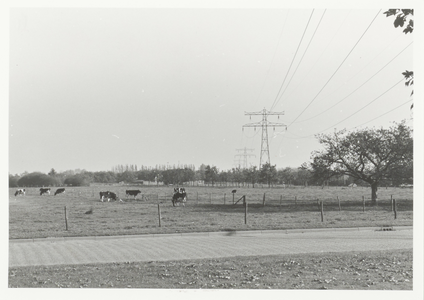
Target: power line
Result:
[273, 57]
[332, 126]
[336, 69]
[324, 51]
[298, 46]
[382, 114]
[356, 88]
[301, 59]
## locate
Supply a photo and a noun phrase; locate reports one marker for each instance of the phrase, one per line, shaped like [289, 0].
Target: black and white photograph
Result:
[180, 149]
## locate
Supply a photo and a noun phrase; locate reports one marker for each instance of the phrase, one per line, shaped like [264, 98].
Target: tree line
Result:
[205, 174]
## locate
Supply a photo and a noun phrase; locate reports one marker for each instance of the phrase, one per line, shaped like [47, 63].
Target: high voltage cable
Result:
[307, 47]
[316, 61]
[273, 57]
[312, 135]
[382, 114]
[356, 88]
[332, 126]
[336, 69]
[298, 46]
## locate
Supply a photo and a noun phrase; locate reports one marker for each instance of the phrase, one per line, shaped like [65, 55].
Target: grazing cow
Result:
[44, 191]
[59, 191]
[20, 192]
[179, 196]
[133, 193]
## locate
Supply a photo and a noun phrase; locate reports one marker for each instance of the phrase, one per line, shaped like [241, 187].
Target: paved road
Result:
[55, 251]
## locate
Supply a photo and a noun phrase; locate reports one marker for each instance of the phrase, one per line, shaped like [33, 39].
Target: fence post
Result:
[224, 198]
[322, 211]
[159, 214]
[263, 201]
[66, 220]
[394, 208]
[281, 198]
[338, 200]
[245, 210]
[295, 201]
[210, 198]
[391, 201]
[363, 203]
[197, 198]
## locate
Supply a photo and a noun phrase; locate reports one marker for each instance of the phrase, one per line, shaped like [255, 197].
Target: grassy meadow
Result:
[207, 209]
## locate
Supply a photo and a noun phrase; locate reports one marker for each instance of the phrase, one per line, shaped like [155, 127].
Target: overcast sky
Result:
[91, 88]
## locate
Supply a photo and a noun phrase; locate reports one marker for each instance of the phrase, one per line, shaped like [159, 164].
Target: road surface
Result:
[83, 250]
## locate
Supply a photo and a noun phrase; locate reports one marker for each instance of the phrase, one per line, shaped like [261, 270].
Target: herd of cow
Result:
[179, 196]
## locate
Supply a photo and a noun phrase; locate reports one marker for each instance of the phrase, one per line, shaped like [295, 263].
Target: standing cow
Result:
[180, 196]
[133, 193]
[44, 191]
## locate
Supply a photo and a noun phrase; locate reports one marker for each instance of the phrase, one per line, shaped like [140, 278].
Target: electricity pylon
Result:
[245, 155]
[264, 124]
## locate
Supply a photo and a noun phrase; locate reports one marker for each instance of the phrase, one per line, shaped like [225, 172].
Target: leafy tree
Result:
[13, 180]
[369, 155]
[104, 177]
[126, 176]
[268, 174]
[211, 174]
[304, 174]
[402, 17]
[251, 175]
[38, 179]
[78, 180]
[52, 172]
[286, 176]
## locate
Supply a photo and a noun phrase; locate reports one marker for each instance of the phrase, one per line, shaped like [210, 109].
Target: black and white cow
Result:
[133, 193]
[108, 195]
[44, 191]
[180, 196]
[59, 191]
[20, 192]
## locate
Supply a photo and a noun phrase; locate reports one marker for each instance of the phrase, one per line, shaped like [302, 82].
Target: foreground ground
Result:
[377, 270]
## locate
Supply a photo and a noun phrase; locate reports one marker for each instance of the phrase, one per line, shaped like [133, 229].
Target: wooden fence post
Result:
[159, 214]
[245, 210]
[363, 203]
[295, 201]
[322, 211]
[224, 198]
[66, 220]
[338, 200]
[394, 208]
[281, 198]
[391, 201]
[263, 201]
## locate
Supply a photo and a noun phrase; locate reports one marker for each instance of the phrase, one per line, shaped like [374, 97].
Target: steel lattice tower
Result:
[245, 155]
[264, 124]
